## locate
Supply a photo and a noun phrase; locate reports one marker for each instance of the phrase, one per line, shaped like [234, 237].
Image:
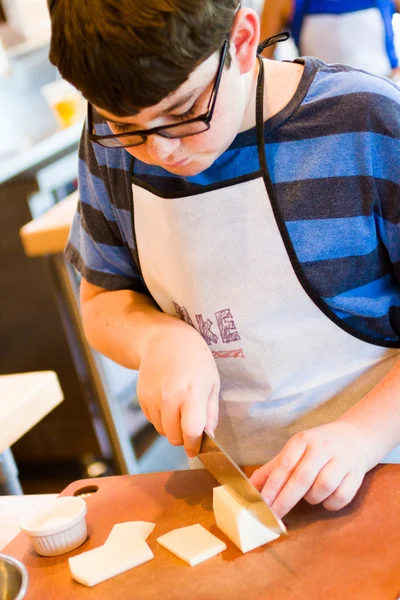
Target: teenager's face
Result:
[192, 155]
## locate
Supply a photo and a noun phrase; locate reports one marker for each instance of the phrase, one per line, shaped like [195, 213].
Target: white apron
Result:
[356, 38]
[218, 260]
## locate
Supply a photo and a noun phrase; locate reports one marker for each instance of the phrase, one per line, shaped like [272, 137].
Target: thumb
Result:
[212, 411]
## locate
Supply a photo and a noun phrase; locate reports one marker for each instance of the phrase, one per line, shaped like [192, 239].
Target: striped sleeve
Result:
[388, 221]
[336, 172]
[100, 244]
[385, 152]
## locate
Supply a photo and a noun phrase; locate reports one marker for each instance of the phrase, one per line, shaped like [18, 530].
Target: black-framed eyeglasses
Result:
[188, 128]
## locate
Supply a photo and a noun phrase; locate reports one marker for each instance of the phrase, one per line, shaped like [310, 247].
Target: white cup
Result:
[57, 528]
[66, 102]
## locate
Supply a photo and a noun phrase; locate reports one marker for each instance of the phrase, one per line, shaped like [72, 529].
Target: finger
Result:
[142, 400]
[193, 422]
[171, 423]
[155, 419]
[261, 475]
[145, 411]
[299, 481]
[344, 494]
[212, 411]
[285, 464]
[328, 480]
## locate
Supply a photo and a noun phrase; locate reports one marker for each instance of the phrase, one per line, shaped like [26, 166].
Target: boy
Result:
[237, 238]
[355, 32]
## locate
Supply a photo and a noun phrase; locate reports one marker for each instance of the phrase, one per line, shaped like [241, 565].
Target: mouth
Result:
[179, 163]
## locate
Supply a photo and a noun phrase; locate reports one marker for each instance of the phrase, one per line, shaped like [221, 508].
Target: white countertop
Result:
[13, 508]
[24, 400]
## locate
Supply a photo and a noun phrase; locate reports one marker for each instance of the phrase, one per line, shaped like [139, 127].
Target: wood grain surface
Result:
[350, 555]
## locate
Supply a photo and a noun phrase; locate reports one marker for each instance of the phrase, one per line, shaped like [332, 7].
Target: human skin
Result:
[327, 464]
[230, 118]
[178, 385]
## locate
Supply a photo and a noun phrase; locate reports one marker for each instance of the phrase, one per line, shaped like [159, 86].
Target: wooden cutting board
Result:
[350, 555]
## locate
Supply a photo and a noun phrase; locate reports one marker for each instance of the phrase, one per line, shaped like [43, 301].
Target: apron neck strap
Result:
[262, 157]
[260, 114]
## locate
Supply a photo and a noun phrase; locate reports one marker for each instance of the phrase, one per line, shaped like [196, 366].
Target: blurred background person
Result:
[354, 32]
[257, 5]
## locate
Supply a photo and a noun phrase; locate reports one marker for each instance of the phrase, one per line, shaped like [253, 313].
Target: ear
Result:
[245, 38]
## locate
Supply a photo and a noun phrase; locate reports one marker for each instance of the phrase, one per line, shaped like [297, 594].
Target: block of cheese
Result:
[237, 522]
[95, 566]
[123, 532]
[193, 544]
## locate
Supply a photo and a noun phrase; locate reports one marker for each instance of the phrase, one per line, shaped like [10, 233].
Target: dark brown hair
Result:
[125, 55]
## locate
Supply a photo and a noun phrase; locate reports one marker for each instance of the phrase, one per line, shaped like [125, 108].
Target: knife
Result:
[226, 472]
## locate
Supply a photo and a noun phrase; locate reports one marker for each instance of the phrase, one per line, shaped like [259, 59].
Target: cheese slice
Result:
[193, 544]
[111, 559]
[234, 518]
[123, 532]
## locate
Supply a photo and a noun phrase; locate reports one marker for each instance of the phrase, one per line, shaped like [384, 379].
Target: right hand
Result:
[178, 385]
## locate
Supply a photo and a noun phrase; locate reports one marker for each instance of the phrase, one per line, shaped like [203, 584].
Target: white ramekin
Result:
[57, 528]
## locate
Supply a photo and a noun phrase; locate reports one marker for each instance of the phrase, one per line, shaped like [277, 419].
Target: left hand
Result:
[324, 465]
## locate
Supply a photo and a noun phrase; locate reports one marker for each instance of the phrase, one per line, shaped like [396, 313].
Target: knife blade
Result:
[226, 472]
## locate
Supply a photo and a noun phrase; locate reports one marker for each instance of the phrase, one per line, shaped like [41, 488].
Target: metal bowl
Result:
[13, 578]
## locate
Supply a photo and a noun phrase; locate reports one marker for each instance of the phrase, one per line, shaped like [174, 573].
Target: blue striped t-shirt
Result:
[334, 158]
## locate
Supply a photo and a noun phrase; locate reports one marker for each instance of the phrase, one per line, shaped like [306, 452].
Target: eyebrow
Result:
[107, 118]
[181, 102]
[169, 109]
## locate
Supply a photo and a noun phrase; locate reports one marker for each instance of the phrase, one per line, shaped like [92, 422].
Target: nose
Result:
[160, 148]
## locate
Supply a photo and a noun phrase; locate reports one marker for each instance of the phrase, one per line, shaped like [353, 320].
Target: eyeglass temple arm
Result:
[218, 81]
[274, 39]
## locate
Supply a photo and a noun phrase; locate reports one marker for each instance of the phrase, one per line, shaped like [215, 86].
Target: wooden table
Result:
[48, 234]
[25, 399]
[350, 555]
